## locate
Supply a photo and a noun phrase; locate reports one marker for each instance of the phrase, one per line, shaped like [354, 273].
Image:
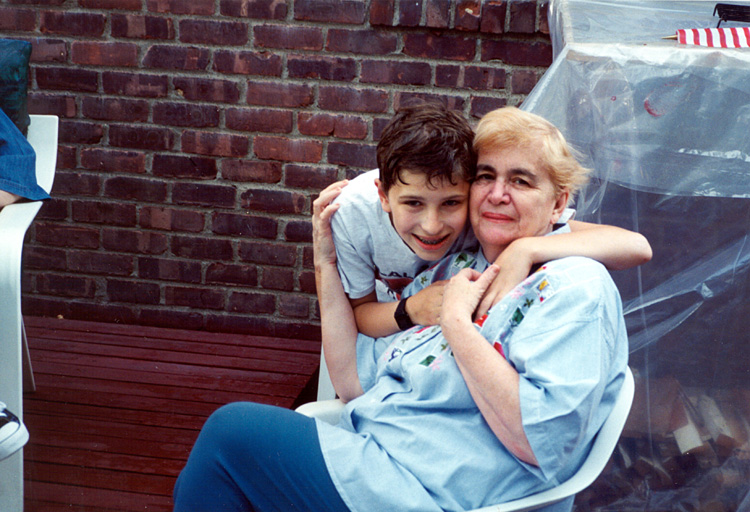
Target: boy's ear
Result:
[560, 204]
[384, 203]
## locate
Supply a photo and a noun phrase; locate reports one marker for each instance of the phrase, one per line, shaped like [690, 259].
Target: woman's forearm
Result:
[338, 331]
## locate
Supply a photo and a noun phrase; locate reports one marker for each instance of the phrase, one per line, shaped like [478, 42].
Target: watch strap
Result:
[402, 317]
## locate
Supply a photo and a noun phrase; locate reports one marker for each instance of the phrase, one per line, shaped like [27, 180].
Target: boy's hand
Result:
[515, 263]
[324, 249]
[424, 306]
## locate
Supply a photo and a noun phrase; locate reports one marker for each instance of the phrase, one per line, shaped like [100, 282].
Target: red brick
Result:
[273, 201]
[298, 231]
[72, 23]
[522, 81]
[44, 258]
[79, 132]
[251, 170]
[132, 84]
[222, 273]
[95, 53]
[367, 42]
[122, 5]
[438, 13]
[58, 235]
[186, 114]
[353, 100]
[259, 120]
[176, 57]
[345, 127]
[48, 50]
[135, 189]
[522, 17]
[55, 104]
[212, 196]
[294, 306]
[206, 90]
[199, 248]
[74, 183]
[141, 137]
[169, 270]
[481, 105]
[307, 282]
[246, 226]
[214, 144]
[113, 160]
[274, 94]
[268, 253]
[197, 298]
[448, 76]
[55, 209]
[22, 20]
[407, 98]
[484, 78]
[287, 150]
[171, 319]
[247, 63]
[113, 214]
[381, 12]
[115, 109]
[170, 219]
[439, 46]
[410, 13]
[320, 67]
[65, 286]
[96, 262]
[66, 157]
[181, 166]
[330, 11]
[543, 16]
[198, 7]
[315, 178]
[140, 242]
[356, 155]
[278, 279]
[133, 291]
[67, 79]
[468, 14]
[520, 53]
[393, 72]
[217, 33]
[251, 303]
[134, 26]
[288, 37]
[259, 9]
[493, 16]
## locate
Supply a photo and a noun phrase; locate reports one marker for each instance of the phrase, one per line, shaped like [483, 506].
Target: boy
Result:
[392, 224]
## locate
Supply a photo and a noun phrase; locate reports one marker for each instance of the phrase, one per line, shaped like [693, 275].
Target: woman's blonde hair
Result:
[511, 127]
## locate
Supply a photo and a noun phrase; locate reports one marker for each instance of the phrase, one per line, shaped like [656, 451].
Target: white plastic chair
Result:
[601, 450]
[15, 366]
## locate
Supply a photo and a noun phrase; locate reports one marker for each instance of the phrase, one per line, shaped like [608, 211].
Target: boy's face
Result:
[428, 217]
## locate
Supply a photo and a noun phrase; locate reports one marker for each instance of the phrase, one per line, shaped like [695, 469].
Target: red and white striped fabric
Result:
[716, 37]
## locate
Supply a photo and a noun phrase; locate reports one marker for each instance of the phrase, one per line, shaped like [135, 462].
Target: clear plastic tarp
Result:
[666, 129]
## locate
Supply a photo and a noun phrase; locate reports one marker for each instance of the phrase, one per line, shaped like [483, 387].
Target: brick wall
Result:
[195, 133]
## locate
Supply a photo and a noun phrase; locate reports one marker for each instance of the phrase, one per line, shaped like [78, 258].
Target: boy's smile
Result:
[429, 217]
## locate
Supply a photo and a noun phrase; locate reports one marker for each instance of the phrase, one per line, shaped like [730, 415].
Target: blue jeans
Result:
[259, 458]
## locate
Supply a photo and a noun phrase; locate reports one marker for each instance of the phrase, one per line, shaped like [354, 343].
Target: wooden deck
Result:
[117, 408]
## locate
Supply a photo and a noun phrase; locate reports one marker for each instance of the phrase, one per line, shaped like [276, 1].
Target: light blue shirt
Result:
[417, 441]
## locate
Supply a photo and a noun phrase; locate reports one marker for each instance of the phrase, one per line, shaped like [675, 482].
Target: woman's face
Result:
[512, 197]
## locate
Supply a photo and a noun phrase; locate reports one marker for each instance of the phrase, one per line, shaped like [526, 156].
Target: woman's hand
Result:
[324, 249]
[461, 298]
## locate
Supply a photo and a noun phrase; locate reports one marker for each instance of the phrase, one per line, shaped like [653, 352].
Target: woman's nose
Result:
[499, 193]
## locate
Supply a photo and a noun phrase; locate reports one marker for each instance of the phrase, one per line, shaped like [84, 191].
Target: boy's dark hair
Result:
[427, 138]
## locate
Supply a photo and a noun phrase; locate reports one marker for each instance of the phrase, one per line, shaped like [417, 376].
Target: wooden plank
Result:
[101, 498]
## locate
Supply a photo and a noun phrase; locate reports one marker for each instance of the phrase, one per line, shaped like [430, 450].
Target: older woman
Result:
[453, 416]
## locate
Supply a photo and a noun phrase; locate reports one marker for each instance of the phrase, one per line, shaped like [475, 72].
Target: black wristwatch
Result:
[402, 317]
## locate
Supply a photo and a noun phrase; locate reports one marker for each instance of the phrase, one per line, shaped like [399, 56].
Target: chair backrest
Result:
[42, 136]
[601, 450]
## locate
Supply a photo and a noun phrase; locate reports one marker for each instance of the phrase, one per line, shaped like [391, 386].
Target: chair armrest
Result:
[325, 410]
